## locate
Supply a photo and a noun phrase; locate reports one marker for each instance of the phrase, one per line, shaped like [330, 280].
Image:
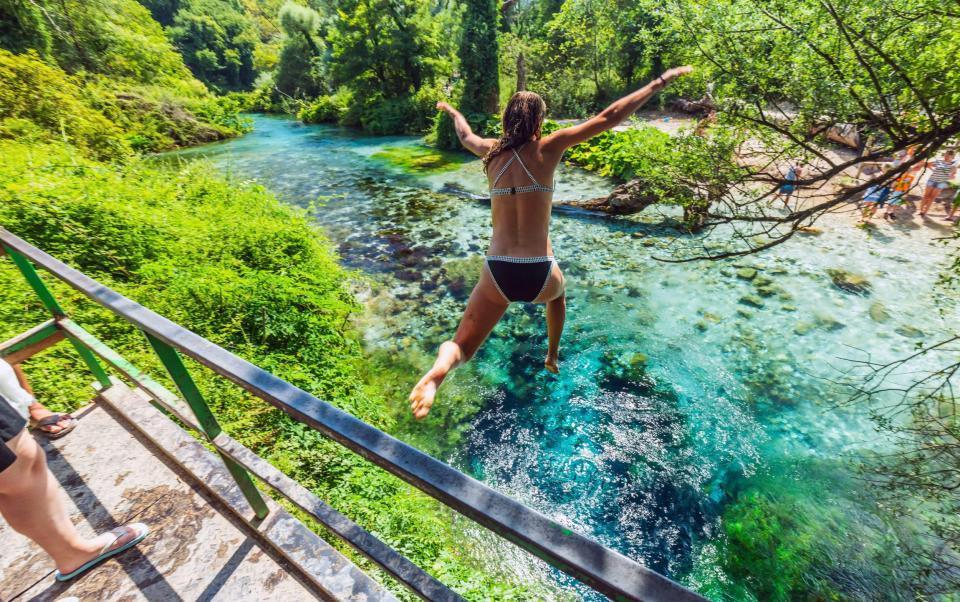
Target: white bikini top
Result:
[535, 187]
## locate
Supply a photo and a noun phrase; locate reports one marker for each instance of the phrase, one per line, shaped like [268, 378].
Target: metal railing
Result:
[601, 568]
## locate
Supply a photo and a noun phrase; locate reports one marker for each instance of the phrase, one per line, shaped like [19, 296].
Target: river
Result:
[692, 396]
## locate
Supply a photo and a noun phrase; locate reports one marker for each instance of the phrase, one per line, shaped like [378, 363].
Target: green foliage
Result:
[477, 95]
[582, 54]
[301, 71]
[22, 28]
[51, 100]
[217, 40]
[162, 10]
[390, 48]
[863, 62]
[119, 39]
[327, 109]
[624, 154]
[478, 57]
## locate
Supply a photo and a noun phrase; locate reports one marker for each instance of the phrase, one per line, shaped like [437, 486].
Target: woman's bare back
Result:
[521, 221]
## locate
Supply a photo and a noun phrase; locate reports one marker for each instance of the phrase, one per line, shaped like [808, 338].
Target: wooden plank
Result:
[326, 569]
[196, 549]
[405, 571]
[29, 343]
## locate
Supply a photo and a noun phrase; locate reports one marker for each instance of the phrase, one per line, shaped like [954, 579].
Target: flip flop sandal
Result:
[52, 420]
[142, 531]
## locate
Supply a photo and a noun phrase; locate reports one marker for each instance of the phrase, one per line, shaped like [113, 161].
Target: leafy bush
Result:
[624, 154]
[119, 39]
[327, 109]
[48, 97]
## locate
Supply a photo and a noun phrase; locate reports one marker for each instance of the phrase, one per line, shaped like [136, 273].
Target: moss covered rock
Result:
[421, 160]
[849, 282]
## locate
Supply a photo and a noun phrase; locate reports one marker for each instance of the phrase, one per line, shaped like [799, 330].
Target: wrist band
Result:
[662, 81]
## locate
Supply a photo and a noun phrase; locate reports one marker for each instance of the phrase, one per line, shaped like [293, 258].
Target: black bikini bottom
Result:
[520, 278]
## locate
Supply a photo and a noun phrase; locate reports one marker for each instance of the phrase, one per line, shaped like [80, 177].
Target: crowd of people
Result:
[930, 181]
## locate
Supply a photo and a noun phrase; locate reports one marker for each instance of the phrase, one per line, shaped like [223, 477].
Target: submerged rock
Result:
[910, 332]
[879, 313]
[827, 322]
[463, 274]
[746, 273]
[849, 282]
[751, 300]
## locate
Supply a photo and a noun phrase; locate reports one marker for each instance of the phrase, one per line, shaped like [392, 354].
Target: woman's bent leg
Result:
[555, 297]
[929, 194]
[484, 309]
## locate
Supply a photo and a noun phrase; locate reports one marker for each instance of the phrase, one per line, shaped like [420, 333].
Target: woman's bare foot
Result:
[423, 394]
[551, 365]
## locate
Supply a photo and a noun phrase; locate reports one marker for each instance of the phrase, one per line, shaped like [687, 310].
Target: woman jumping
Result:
[519, 263]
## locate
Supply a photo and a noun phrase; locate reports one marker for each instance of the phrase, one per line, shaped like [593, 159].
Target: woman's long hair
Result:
[522, 120]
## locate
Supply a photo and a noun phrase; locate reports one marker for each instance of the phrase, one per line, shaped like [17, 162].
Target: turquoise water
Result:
[684, 387]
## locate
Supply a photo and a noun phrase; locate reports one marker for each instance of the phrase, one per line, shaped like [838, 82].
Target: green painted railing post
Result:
[50, 302]
[211, 428]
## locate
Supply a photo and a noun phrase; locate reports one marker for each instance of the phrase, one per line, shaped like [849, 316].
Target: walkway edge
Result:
[331, 574]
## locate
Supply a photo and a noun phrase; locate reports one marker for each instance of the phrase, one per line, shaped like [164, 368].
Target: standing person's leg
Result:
[554, 295]
[929, 194]
[31, 501]
[484, 309]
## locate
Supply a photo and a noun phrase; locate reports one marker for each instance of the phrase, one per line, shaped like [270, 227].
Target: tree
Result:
[389, 47]
[479, 58]
[162, 10]
[300, 69]
[217, 40]
[785, 74]
[22, 27]
[479, 86]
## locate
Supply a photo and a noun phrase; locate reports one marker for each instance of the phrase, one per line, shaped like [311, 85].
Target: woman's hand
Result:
[672, 74]
[443, 106]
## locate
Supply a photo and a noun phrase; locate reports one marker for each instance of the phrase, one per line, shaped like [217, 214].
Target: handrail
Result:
[601, 568]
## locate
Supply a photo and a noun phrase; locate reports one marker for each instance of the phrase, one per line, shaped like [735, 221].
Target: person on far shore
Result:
[900, 189]
[954, 199]
[944, 170]
[789, 188]
[874, 198]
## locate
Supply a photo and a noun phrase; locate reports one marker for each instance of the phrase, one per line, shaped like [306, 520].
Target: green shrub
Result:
[327, 109]
[48, 97]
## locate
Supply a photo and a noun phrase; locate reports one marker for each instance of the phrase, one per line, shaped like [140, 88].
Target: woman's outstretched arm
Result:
[472, 142]
[612, 116]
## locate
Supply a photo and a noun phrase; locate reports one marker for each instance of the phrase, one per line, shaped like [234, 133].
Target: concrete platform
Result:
[197, 549]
